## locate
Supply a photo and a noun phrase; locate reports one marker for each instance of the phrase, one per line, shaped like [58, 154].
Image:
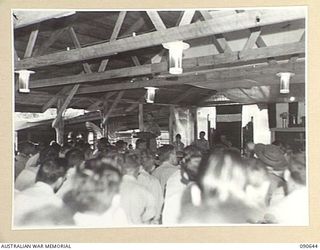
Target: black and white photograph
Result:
[159, 117]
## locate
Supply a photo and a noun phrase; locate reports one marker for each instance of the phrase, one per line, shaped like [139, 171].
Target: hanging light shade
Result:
[175, 55]
[150, 94]
[285, 82]
[24, 76]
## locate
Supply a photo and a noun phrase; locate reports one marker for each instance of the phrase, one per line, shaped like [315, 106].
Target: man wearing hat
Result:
[274, 159]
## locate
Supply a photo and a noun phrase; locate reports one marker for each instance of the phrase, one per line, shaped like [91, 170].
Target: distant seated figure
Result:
[178, 183]
[42, 193]
[168, 165]
[293, 208]
[202, 143]
[94, 197]
[178, 144]
[137, 201]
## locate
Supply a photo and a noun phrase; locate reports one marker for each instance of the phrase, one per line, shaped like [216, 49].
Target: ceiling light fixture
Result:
[24, 76]
[150, 94]
[175, 55]
[285, 81]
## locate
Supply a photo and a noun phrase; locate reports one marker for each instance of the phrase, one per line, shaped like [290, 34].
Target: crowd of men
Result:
[118, 186]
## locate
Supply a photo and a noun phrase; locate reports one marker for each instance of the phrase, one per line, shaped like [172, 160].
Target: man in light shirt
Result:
[178, 144]
[202, 143]
[150, 182]
[168, 165]
[137, 202]
[178, 183]
[42, 193]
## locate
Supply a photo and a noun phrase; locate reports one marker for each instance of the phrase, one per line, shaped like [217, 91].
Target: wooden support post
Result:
[195, 117]
[104, 124]
[59, 125]
[141, 126]
[171, 124]
[107, 111]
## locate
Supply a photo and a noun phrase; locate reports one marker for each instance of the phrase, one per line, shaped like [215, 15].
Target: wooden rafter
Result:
[135, 105]
[113, 106]
[184, 19]
[303, 37]
[55, 98]
[254, 34]
[184, 95]
[135, 27]
[65, 105]
[86, 67]
[261, 44]
[190, 63]
[31, 43]
[219, 41]
[187, 17]
[114, 35]
[49, 42]
[136, 60]
[96, 105]
[245, 20]
[156, 20]
[75, 40]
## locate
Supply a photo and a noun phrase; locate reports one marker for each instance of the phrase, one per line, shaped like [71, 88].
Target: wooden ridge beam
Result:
[190, 63]
[213, 75]
[246, 83]
[240, 21]
[139, 84]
